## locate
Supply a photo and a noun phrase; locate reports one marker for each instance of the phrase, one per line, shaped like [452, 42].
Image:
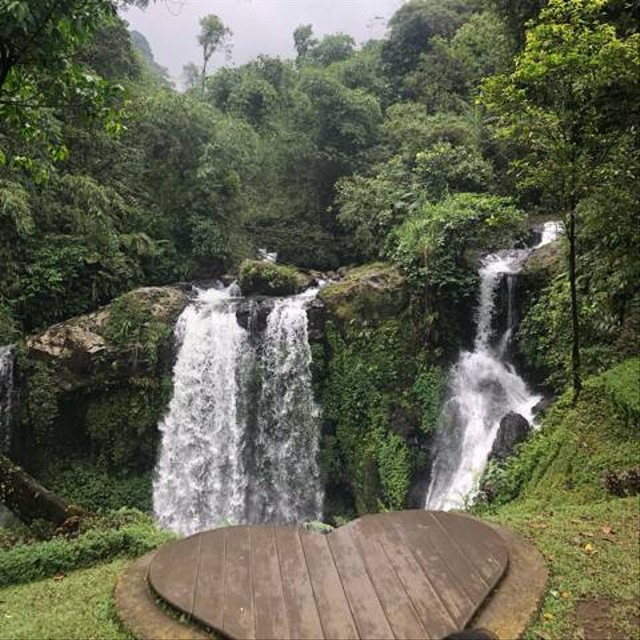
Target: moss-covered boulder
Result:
[368, 294]
[92, 391]
[258, 277]
[535, 279]
[543, 263]
[129, 337]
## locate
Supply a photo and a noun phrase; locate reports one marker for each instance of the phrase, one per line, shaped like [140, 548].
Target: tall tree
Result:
[213, 37]
[571, 103]
[412, 30]
[303, 39]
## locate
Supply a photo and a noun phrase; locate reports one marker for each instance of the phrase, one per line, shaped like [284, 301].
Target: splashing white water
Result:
[240, 441]
[482, 389]
[6, 396]
[285, 468]
[550, 232]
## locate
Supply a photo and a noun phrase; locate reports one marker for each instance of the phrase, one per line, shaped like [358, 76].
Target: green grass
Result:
[592, 554]
[78, 605]
[553, 493]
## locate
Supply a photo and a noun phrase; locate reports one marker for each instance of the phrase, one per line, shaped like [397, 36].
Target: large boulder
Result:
[128, 337]
[513, 430]
[260, 277]
[367, 294]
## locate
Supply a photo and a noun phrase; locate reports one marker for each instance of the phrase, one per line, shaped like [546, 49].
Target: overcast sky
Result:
[259, 26]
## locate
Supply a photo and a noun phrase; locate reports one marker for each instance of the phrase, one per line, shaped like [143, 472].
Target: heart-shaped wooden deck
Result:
[407, 574]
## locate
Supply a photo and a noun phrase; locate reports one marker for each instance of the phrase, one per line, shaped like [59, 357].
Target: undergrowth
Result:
[126, 533]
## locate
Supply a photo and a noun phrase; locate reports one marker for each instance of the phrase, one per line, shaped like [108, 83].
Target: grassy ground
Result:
[592, 554]
[78, 606]
[560, 493]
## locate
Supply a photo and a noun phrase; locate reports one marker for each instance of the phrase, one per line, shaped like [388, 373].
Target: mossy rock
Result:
[544, 263]
[268, 279]
[125, 338]
[368, 294]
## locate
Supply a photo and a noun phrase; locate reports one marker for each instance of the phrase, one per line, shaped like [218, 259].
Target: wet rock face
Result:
[83, 354]
[252, 313]
[316, 315]
[513, 430]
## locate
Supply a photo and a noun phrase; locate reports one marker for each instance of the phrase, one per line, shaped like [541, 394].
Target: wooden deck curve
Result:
[408, 574]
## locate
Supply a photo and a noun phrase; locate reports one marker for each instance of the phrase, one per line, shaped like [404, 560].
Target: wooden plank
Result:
[268, 596]
[173, 572]
[333, 607]
[208, 605]
[238, 621]
[462, 575]
[419, 593]
[302, 613]
[398, 608]
[410, 574]
[367, 611]
[488, 550]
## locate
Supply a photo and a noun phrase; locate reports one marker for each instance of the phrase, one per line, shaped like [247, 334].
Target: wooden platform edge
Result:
[518, 596]
[139, 612]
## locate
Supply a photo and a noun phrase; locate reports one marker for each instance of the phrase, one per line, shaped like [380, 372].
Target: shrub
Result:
[126, 533]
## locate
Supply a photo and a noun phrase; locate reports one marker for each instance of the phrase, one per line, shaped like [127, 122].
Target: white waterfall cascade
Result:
[6, 396]
[482, 389]
[240, 440]
[285, 471]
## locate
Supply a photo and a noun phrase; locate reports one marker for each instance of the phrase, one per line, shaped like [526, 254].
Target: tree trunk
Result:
[28, 499]
[575, 319]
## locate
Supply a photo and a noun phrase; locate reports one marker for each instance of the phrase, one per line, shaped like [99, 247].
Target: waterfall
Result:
[550, 231]
[6, 396]
[482, 388]
[284, 470]
[240, 439]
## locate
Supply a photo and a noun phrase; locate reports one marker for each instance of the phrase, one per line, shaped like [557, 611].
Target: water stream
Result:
[6, 396]
[482, 388]
[240, 439]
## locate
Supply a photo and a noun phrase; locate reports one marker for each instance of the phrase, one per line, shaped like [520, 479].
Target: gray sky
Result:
[259, 26]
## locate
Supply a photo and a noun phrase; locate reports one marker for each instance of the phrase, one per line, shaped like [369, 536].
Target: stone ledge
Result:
[139, 612]
[518, 596]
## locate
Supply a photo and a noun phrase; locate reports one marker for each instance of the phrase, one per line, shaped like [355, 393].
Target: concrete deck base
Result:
[140, 613]
[518, 596]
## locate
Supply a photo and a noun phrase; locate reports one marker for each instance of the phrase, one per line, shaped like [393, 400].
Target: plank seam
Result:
[284, 599]
[195, 587]
[251, 582]
[454, 578]
[344, 593]
[224, 581]
[427, 578]
[486, 548]
[306, 566]
[373, 585]
[460, 550]
[401, 583]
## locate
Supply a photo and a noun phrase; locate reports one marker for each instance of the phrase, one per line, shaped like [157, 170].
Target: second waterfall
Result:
[483, 387]
[240, 440]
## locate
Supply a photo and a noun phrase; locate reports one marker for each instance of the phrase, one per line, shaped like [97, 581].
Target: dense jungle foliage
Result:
[416, 148]
[421, 149]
